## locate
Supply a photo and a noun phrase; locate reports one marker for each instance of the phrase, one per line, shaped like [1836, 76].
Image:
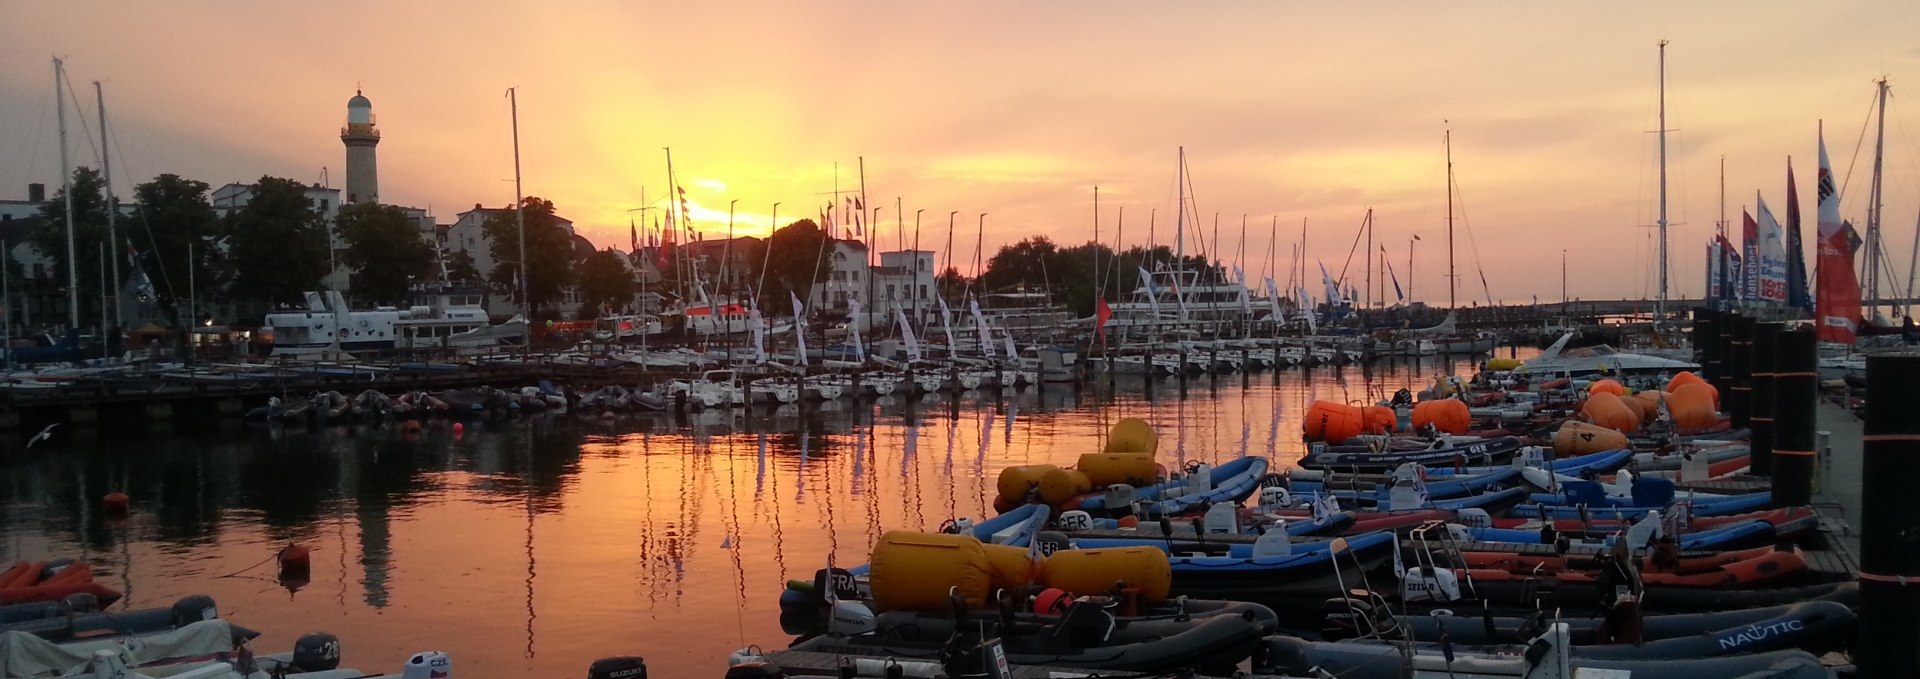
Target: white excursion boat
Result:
[1559, 361]
[448, 321]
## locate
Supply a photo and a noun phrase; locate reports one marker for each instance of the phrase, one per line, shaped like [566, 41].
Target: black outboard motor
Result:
[634, 667]
[195, 608]
[315, 651]
[82, 602]
[1050, 541]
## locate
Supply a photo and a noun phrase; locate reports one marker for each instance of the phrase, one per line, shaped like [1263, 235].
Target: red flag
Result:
[1102, 313]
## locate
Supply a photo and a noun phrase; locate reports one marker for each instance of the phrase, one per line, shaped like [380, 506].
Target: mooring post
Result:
[1795, 385]
[1723, 350]
[1890, 520]
[1760, 411]
[1706, 343]
[1740, 397]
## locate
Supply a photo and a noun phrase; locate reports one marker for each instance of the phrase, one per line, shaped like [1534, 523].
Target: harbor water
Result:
[532, 547]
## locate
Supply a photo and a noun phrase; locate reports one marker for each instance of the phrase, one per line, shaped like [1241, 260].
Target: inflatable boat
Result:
[1271, 571]
[1232, 482]
[1551, 654]
[1483, 452]
[1083, 638]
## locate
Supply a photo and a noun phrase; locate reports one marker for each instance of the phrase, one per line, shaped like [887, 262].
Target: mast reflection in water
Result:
[663, 536]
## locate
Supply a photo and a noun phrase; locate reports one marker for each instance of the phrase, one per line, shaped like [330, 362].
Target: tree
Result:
[461, 269]
[604, 280]
[549, 252]
[384, 249]
[175, 222]
[795, 261]
[950, 284]
[89, 232]
[278, 243]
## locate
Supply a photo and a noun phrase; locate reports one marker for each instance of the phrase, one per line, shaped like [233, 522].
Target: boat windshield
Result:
[1590, 352]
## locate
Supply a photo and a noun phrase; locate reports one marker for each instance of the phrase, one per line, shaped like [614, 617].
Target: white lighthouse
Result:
[360, 137]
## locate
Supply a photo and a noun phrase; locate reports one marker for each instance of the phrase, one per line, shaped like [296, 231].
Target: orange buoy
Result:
[1332, 422]
[1687, 377]
[1448, 415]
[1379, 419]
[1609, 410]
[1607, 387]
[1692, 406]
[295, 561]
[115, 502]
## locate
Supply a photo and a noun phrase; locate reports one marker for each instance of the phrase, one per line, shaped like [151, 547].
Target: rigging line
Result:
[1858, 144]
[1355, 247]
[140, 210]
[80, 112]
[1472, 245]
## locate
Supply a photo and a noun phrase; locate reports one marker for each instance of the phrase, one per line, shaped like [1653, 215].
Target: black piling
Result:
[1706, 341]
[1765, 336]
[1723, 351]
[1740, 351]
[1795, 388]
[1890, 520]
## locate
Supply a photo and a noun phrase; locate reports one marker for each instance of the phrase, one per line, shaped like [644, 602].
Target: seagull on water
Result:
[44, 435]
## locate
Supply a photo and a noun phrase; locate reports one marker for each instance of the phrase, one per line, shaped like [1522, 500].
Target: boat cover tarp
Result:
[23, 654]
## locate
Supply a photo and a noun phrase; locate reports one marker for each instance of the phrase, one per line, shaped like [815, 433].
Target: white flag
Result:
[1273, 299]
[1153, 299]
[759, 336]
[1012, 353]
[799, 326]
[1333, 289]
[980, 327]
[906, 334]
[1306, 309]
[946, 322]
[853, 330]
[1240, 288]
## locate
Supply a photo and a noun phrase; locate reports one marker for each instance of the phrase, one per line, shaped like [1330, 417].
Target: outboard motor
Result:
[82, 602]
[624, 667]
[974, 651]
[1118, 495]
[428, 665]
[1075, 520]
[835, 584]
[195, 608]
[1275, 498]
[850, 617]
[1049, 541]
[316, 652]
[957, 526]
[1426, 583]
[1474, 517]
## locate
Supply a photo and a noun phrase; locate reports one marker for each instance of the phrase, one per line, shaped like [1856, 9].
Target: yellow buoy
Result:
[1132, 435]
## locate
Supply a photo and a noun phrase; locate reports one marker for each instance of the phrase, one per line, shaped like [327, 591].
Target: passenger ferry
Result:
[450, 320]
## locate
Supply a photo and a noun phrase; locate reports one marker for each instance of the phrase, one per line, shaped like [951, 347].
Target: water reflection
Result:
[536, 546]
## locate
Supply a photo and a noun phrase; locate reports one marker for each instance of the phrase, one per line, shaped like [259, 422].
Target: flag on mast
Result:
[1102, 312]
[1838, 294]
[799, 325]
[1797, 294]
[1273, 300]
[1153, 298]
[906, 334]
[946, 323]
[1749, 256]
[981, 328]
[853, 329]
[1772, 250]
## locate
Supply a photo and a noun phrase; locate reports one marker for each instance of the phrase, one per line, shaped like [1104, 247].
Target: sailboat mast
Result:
[1368, 298]
[111, 317]
[66, 189]
[1875, 203]
[1453, 301]
[1660, 307]
[520, 221]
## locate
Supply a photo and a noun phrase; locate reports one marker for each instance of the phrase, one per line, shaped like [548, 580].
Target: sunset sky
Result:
[1288, 110]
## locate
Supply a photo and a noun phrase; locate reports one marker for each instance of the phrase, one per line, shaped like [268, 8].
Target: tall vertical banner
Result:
[1798, 296]
[1749, 255]
[1838, 293]
[1713, 273]
[1772, 270]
